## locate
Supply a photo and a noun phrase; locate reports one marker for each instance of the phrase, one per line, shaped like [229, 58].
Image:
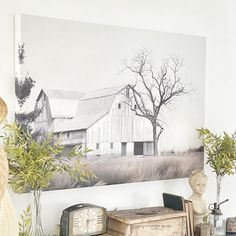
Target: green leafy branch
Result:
[220, 150]
[24, 224]
[33, 164]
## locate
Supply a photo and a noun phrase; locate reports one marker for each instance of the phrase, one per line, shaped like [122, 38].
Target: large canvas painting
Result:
[133, 97]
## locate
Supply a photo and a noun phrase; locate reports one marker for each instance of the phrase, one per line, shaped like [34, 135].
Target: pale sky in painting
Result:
[78, 56]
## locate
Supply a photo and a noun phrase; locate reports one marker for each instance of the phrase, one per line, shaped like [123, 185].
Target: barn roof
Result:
[103, 92]
[62, 103]
[62, 94]
[77, 123]
[90, 108]
[89, 111]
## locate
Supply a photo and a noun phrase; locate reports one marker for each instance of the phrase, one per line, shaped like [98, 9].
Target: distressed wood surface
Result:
[153, 221]
[134, 216]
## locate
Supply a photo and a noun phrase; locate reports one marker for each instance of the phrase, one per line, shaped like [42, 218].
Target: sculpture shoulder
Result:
[199, 206]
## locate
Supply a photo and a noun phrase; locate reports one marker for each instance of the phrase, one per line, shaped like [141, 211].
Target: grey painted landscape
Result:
[133, 97]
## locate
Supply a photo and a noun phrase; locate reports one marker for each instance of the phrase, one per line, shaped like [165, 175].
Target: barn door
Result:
[138, 148]
[123, 149]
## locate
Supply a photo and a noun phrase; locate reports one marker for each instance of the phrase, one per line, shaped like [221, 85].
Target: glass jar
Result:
[216, 218]
[36, 228]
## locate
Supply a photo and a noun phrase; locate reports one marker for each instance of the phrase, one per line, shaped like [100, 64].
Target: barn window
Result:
[68, 134]
[119, 106]
[97, 146]
[111, 145]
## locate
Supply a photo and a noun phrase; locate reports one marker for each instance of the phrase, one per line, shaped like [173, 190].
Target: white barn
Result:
[101, 120]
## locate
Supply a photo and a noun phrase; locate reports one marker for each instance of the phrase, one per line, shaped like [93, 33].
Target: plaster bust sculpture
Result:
[198, 181]
[8, 221]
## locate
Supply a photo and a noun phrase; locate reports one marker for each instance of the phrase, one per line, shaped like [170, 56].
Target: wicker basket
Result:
[3, 110]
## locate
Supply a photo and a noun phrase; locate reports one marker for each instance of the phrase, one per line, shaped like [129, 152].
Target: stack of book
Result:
[177, 202]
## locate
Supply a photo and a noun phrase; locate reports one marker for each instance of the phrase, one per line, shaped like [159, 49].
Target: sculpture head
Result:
[197, 181]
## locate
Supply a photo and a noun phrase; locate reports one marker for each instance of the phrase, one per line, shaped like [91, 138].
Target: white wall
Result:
[211, 18]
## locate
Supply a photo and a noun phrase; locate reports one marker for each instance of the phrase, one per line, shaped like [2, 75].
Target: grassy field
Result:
[118, 170]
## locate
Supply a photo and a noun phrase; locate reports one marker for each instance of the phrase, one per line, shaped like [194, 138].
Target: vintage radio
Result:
[83, 220]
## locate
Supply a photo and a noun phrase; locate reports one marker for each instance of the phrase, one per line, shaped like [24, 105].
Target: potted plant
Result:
[221, 154]
[33, 164]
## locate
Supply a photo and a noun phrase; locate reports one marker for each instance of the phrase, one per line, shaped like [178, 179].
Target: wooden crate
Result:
[152, 221]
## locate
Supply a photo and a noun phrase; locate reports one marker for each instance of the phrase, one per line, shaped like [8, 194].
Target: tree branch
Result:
[155, 89]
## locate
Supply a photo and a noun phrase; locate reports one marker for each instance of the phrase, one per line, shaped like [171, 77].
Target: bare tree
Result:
[155, 88]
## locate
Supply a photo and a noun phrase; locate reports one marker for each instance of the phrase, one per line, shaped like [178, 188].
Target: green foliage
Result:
[32, 164]
[23, 89]
[220, 150]
[25, 222]
[206, 219]
[26, 119]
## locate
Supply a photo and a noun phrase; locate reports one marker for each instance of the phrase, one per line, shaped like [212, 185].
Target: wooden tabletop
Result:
[134, 216]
